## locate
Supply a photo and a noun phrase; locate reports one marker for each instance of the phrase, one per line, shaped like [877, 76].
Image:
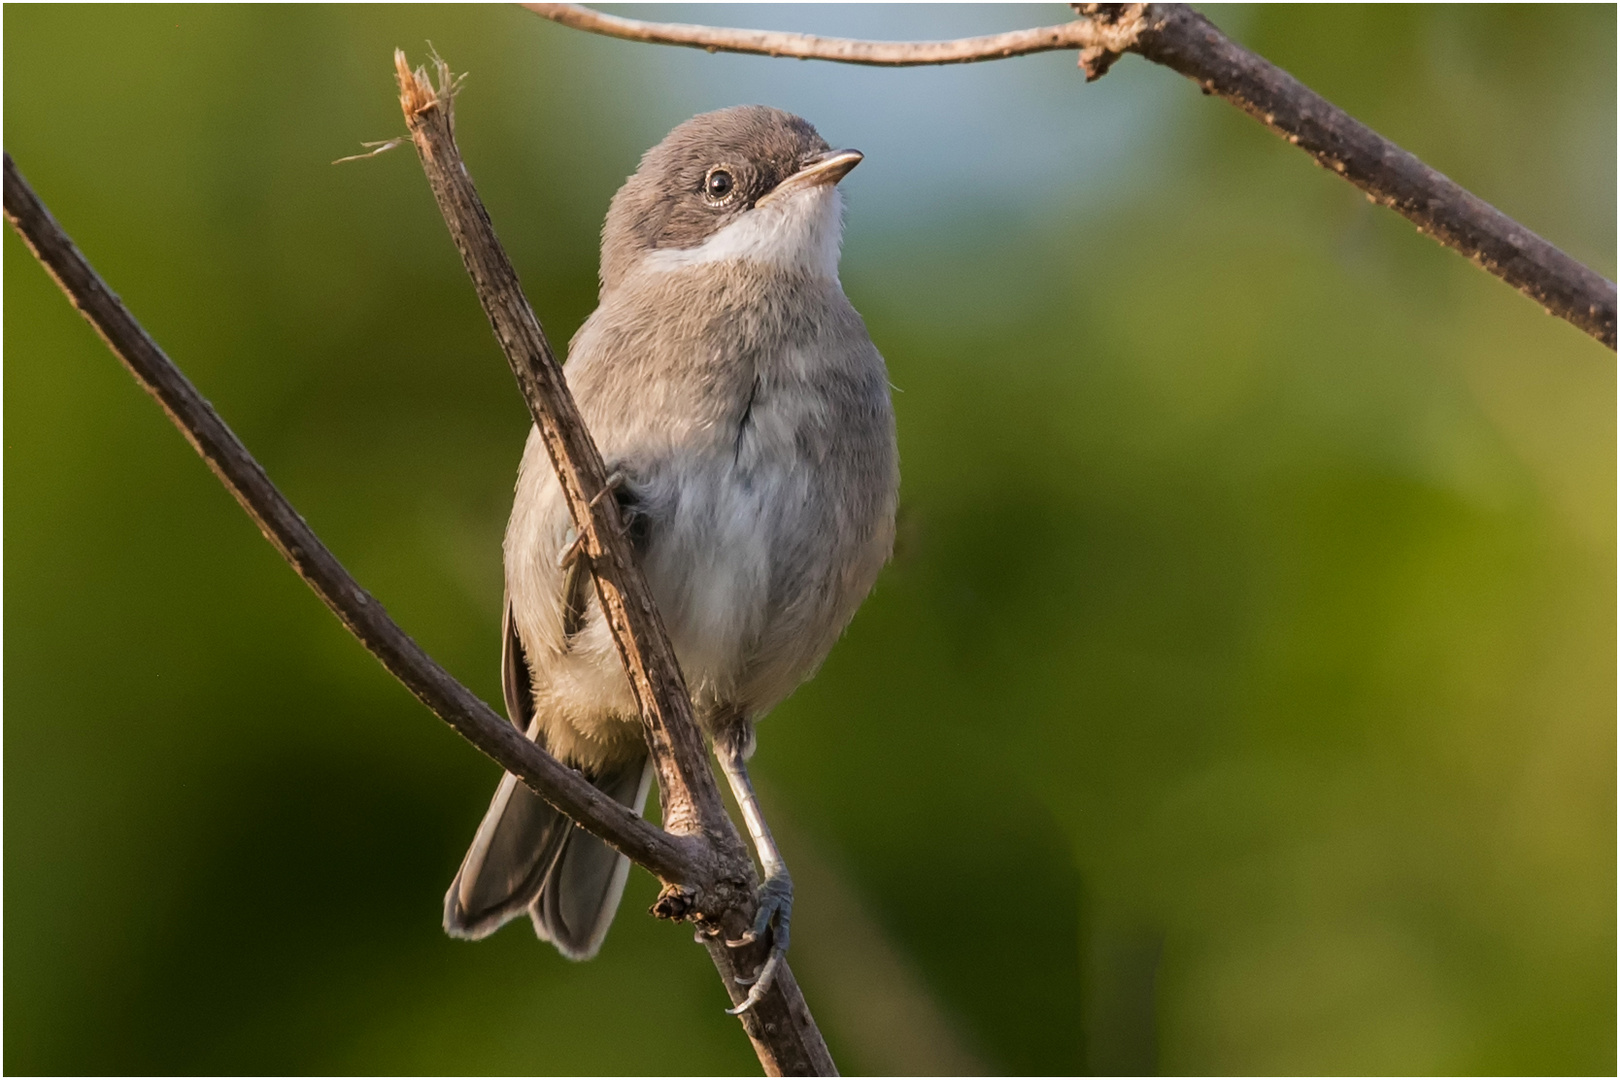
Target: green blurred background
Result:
[1241, 697]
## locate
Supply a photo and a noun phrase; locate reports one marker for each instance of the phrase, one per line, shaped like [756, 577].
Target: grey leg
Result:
[776, 894]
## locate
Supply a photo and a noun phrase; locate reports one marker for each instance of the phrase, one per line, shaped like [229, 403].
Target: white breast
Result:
[800, 233]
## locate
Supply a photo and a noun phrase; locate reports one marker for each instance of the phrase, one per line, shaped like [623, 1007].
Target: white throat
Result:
[802, 233]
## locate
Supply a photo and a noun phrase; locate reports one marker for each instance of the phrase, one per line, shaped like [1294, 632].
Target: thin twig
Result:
[1073, 35]
[784, 1035]
[1179, 38]
[381, 146]
[672, 858]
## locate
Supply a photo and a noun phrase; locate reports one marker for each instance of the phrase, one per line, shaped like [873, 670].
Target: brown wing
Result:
[516, 685]
[576, 597]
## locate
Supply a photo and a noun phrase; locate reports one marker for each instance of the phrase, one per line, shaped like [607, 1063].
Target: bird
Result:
[745, 418]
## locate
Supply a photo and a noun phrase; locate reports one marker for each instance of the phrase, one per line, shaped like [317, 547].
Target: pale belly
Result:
[767, 484]
[744, 568]
[756, 562]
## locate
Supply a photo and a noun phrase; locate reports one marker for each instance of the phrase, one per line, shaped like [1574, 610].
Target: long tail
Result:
[579, 897]
[528, 857]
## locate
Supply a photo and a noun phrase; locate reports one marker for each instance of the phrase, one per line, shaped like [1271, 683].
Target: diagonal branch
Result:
[780, 1026]
[1183, 40]
[784, 1035]
[691, 802]
[1179, 38]
[671, 858]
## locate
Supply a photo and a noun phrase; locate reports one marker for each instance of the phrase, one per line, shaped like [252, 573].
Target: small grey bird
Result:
[744, 413]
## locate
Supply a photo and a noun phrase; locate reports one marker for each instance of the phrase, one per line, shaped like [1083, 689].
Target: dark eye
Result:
[717, 185]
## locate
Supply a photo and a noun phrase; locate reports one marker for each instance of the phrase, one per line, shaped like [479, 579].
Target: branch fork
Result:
[1118, 26]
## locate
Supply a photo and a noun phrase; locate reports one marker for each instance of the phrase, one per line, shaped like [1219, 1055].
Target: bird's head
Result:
[749, 183]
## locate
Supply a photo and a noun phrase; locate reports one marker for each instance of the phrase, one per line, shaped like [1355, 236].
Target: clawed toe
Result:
[775, 911]
[759, 983]
[573, 544]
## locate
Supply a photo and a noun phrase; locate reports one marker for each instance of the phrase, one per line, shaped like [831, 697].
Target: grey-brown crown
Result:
[674, 199]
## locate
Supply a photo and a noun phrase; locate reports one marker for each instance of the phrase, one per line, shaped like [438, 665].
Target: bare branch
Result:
[671, 858]
[1179, 38]
[691, 806]
[1183, 40]
[1082, 34]
[780, 1024]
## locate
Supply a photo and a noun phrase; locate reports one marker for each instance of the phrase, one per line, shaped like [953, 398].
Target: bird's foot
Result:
[775, 911]
[574, 541]
[615, 481]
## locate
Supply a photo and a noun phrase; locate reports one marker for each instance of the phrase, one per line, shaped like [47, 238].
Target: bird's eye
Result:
[718, 185]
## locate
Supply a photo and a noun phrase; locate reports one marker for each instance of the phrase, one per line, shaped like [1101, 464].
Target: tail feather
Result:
[516, 846]
[521, 835]
[528, 857]
[580, 895]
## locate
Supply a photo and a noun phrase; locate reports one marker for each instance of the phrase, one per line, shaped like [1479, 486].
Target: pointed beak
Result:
[828, 168]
